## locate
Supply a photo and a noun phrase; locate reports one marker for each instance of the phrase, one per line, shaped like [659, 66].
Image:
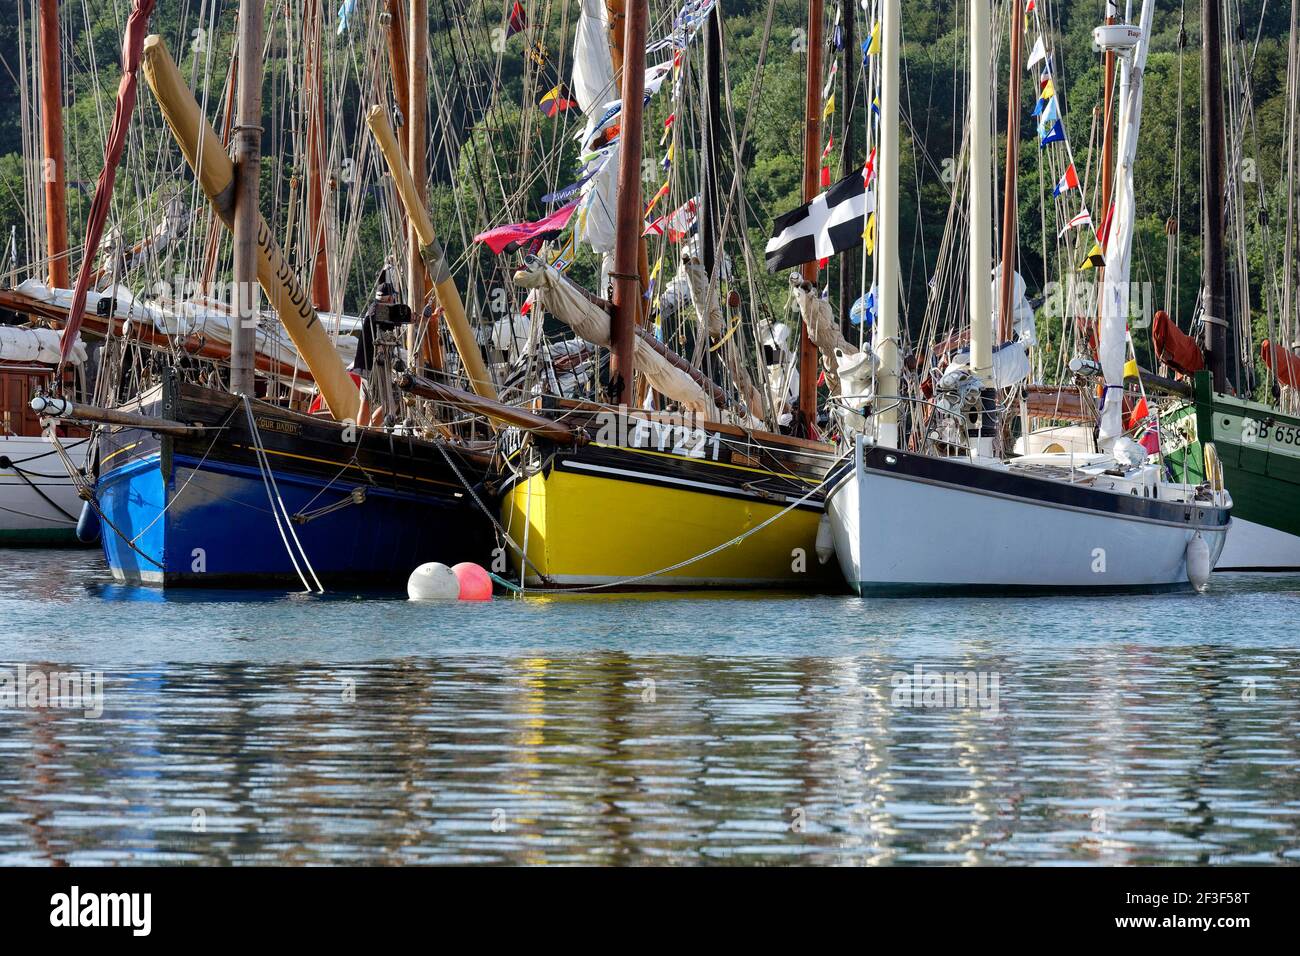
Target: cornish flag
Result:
[831, 223]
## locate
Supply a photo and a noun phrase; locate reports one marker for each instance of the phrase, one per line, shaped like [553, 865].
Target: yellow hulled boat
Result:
[649, 505]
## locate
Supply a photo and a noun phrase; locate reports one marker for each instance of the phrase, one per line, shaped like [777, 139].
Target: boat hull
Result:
[1259, 452]
[198, 513]
[920, 524]
[623, 520]
[1257, 547]
[39, 504]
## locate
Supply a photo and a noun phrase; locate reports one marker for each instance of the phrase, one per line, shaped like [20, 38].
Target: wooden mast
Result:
[1290, 328]
[248, 167]
[1215, 325]
[615, 16]
[314, 88]
[52, 166]
[812, 147]
[213, 244]
[1006, 325]
[850, 280]
[627, 236]
[710, 211]
[417, 135]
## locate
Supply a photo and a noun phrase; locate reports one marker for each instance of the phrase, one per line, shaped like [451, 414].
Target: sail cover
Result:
[566, 302]
[1112, 336]
[1175, 347]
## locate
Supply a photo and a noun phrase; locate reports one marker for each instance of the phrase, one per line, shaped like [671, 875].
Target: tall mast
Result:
[52, 169]
[885, 337]
[314, 88]
[1215, 341]
[626, 276]
[1009, 209]
[616, 17]
[213, 246]
[248, 168]
[849, 70]
[1107, 138]
[417, 93]
[979, 273]
[1289, 326]
[710, 211]
[812, 146]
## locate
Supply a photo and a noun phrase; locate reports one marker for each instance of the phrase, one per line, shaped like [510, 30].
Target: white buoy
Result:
[825, 539]
[1198, 562]
[433, 582]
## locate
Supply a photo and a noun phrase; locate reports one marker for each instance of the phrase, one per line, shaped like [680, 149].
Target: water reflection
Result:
[1115, 753]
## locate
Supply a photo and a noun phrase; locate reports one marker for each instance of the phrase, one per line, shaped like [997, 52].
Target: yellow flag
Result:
[869, 235]
[1095, 257]
[830, 108]
[1048, 90]
[874, 47]
[1131, 369]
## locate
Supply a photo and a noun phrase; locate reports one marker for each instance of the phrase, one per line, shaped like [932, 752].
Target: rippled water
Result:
[265, 728]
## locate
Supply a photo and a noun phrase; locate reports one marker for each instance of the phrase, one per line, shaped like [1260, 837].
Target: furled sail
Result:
[822, 327]
[1112, 337]
[570, 304]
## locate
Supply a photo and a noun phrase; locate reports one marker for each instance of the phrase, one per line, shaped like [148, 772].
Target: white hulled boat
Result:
[905, 521]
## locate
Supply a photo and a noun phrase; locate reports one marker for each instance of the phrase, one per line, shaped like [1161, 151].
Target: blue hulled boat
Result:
[253, 494]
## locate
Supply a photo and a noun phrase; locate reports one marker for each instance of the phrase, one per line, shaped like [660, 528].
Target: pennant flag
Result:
[557, 101]
[831, 223]
[681, 221]
[1095, 258]
[497, 239]
[567, 192]
[668, 156]
[1069, 181]
[1054, 135]
[1140, 411]
[1082, 219]
[1051, 113]
[518, 20]
[654, 200]
[654, 78]
[1104, 233]
[864, 310]
[829, 109]
[830, 80]
[1037, 55]
[348, 8]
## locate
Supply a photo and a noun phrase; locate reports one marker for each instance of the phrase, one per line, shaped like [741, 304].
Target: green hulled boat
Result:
[1258, 449]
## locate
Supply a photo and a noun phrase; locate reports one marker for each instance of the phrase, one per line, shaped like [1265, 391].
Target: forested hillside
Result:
[496, 126]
